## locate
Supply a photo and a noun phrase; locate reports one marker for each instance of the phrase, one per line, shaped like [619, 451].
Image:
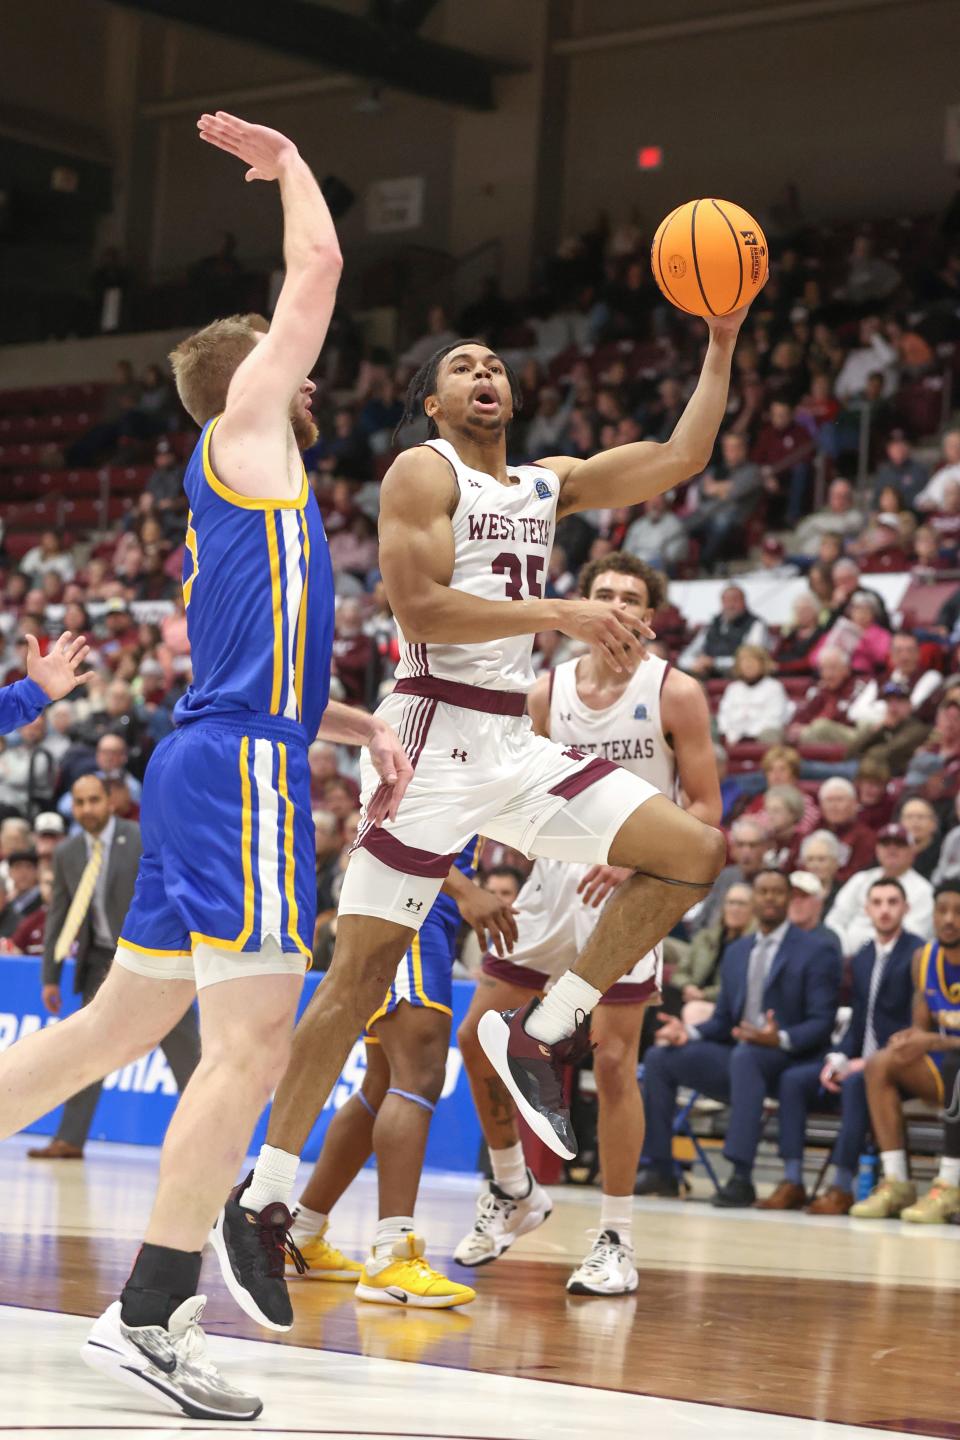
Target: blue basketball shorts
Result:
[228, 858]
[424, 976]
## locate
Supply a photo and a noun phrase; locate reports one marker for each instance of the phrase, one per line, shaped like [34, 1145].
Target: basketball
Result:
[709, 257]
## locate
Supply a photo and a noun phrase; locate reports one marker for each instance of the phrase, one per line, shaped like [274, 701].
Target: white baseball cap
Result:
[807, 882]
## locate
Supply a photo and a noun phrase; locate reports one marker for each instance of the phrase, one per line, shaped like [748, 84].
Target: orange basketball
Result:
[709, 257]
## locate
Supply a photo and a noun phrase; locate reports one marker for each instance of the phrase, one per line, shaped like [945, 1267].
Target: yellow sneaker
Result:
[885, 1201]
[325, 1262]
[935, 1208]
[410, 1280]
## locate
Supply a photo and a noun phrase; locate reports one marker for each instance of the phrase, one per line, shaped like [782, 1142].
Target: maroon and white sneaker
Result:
[533, 1072]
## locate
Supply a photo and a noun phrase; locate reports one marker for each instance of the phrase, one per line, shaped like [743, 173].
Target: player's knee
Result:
[614, 1068]
[468, 1042]
[712, 852]
[424, 1078]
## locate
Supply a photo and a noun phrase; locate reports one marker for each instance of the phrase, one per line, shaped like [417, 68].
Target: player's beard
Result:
[305, 431]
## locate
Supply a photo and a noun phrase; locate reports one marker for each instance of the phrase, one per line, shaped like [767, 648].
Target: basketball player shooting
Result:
[226, 888]
[654, 722]
[464, 544]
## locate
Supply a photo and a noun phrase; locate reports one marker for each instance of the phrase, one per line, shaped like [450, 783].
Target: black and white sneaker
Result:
[607, 1270]
[501, 1219]
[252, 1246]
[169, 1364]
[533, 1072]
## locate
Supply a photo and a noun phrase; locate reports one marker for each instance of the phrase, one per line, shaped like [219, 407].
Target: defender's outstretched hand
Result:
[59, 671]
[266, 151]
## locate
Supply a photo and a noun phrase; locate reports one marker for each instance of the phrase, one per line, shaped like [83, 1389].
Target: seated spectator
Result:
[822, 716]
[807, 903]
[901, 469]
[820, 855]
[28, 769]
[49, 831]
[872, 782]
[894, 854]
[920, 820]
[713, 649]
[873, 355]
[884, 545]
[546, 433]
[658, 535]
[839, 517]
[783, 809]
[729, 498]
[328, 842]
[901, 733]
[354, 549]
[839, 808]
[797, 640]
[748, 841]
[560, 579]
[928, 558]
[914, 1062]
[869, 276]
[880, 1007]
[754, 706]
[27, 939]
[438, 334]
[775, 1009]
[904, 667]
[914, 355]
[783, 450]
[781, 766]
[933, 494]
[859, 634]
[23, 896]
[48, 555]
[934, 770]
[945, 520]
[695, 978]
[355, 660]
[165, 486]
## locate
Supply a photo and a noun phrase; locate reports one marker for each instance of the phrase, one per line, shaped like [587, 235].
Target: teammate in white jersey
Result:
[654, 722]
[464, 542]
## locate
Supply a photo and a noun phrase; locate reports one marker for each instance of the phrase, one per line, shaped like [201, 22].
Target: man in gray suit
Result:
[93, 880]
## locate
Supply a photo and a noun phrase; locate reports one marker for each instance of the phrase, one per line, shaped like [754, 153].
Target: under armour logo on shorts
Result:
[414, 905]
[458, 755]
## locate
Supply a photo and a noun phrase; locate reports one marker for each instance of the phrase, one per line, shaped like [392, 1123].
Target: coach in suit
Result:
[94, 874]
[775, 1010]
[882, 1001]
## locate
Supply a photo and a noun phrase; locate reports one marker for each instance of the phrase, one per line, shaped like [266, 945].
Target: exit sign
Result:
[650, 157]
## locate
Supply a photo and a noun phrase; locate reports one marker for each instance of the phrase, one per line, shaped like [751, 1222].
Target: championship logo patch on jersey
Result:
[641, 713]
[543, 490]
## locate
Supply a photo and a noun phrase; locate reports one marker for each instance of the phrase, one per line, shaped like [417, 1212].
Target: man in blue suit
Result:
[882, 995]
[775, 1010]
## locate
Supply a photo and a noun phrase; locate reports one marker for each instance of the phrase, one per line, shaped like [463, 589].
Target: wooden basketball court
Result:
[745, 1324]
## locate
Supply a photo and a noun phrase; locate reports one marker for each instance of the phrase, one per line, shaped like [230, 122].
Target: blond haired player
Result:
[656, 724]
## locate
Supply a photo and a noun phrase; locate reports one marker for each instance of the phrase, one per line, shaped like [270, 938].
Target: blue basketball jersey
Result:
[258, 587]
[445, 907]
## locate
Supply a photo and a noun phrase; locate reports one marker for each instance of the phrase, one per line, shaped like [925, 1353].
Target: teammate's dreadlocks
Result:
[424, 383]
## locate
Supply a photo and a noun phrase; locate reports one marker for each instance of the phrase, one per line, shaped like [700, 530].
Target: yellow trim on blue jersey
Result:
[245, 502]
[475, 862]
[277, 605]
[925, 963]
[418, 980]
[949, 992]
[190, 542]
[150, 949]
[302, 619]
[289, 861]
[246, 846]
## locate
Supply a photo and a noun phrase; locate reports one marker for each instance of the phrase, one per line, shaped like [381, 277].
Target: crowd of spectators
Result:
[838, 733]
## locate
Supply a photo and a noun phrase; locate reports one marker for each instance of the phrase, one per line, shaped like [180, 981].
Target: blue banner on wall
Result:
[138, 1100]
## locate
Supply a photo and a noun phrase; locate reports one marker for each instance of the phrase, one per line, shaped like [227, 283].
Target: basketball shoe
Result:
[323, 1261]
[607, 1270]
[885, 1201]
[533, 1072]
[407, 1279]
[936, 1207]
[501, 1219]
[167, 1363]
[252, 1246]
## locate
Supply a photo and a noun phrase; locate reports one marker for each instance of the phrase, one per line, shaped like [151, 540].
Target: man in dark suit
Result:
[882, 993]
[776, 1007]
[93, 880]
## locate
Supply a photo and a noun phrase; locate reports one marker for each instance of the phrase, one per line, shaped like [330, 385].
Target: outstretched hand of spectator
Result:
[264, 150]
[59, 671]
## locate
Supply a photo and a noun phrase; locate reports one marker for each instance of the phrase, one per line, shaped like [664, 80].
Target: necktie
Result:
[870, 1043]
[80, 903]
[753, 1011]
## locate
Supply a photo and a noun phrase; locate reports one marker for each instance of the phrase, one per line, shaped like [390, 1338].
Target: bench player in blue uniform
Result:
[49, 677]
[225, 896]
[917, 1062]
[407, 1040]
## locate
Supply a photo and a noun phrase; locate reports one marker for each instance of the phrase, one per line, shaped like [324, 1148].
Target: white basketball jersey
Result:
[503, 535]
[629, 732]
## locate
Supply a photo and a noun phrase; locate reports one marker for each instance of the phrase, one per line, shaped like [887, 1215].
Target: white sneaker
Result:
[501, 1219]
[607, 1270]
[168, 1364]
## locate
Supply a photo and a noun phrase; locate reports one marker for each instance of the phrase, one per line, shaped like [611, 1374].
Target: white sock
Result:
[510, 1171]
[563, 1008]
[894, 1164]
[616, 1213]
[306, 1224]
[949, 1171]
[274, 1177]
[389, 1231]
